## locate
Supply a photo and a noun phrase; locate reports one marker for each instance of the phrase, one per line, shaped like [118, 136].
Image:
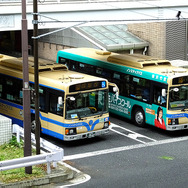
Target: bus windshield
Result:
[178, 98]
[86, 104]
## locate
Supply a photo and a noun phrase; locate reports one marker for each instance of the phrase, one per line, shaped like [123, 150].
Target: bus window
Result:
[159, 98]
[139, 88]
[42, 95]
[85, 68]
[55, 108]
[91, 69]
[32, 101]
[178, 98]
[13, 89]
[106, 74]
[99, 72]
[62, 60]
[86, 104]
[81, 67]
[126, 85]
[1, 87]
[72, 65]
[146, 94]
[116, 78]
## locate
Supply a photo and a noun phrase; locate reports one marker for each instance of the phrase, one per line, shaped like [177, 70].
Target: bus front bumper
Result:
[177, 127]
[86, 135]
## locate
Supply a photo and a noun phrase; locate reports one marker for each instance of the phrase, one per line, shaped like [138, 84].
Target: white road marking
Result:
[133, 135]
[124, 148]
[118, 132]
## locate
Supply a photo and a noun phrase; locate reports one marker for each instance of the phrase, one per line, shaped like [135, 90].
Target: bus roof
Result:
[50, 73]
[136, 61]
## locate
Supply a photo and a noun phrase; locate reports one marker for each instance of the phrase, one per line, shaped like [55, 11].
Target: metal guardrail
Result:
[32, 160]
[58, 1]
[56, 154]
[69, 1]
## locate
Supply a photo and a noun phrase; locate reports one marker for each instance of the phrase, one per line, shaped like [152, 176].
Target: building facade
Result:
[167, 40]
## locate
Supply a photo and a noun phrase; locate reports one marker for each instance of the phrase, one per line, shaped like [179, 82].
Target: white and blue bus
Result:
[72, 105]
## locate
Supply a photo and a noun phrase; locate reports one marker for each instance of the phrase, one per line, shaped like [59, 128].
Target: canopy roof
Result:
[112, 37]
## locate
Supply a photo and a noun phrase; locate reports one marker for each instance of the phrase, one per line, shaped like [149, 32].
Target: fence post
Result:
[48, 168]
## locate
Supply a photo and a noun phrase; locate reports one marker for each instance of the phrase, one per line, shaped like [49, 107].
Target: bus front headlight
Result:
[70, 131]
[106, 125]
[173, 121]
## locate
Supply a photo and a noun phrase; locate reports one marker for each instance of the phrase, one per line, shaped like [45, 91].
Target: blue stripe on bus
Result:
[12, 104]
[52, 133]
[95, 123]
[177, 115]
[65, 125]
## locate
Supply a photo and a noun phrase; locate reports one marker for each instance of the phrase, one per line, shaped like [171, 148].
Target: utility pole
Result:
[26, 89]
[35, 33]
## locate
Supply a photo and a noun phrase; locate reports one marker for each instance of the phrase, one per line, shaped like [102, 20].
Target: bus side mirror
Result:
[163, 92]
[114, 89]
[60, 100]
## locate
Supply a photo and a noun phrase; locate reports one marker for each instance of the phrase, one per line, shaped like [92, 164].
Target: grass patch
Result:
[14, 150]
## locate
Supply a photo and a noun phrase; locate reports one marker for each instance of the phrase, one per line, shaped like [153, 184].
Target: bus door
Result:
[159, 104]
[55, 111]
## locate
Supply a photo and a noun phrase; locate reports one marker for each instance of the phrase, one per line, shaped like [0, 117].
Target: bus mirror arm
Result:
[116, 91]
[71, 98]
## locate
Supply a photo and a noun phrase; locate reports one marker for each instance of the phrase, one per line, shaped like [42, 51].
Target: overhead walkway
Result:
[66, 13]
[102, 22]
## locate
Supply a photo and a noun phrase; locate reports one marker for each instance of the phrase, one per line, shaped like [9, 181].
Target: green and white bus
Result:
[151, 91]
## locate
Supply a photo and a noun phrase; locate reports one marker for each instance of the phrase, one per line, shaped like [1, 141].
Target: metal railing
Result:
[56, 154]
[32, 160]
[67, 1]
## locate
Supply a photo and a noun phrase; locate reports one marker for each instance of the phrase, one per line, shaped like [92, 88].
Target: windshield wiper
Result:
[97, 116]
[183, 109]
[79, 117]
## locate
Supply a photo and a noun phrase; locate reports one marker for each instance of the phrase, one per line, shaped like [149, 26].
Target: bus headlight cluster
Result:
[70, 131]
[106, 124]
[173, 121]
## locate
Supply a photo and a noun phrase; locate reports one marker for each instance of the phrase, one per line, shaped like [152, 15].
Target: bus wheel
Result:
[139, 117]
[33, 126]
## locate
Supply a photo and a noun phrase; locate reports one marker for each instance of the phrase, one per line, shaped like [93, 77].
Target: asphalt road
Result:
[130, 156]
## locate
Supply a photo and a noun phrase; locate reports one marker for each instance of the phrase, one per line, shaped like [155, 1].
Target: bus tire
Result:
[139, 117]
[33, 126]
